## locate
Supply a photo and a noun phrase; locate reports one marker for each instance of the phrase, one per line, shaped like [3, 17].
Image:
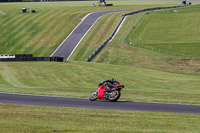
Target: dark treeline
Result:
[36, 0]
[11, 0]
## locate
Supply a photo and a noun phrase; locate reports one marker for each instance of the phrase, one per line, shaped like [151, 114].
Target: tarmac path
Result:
[39, 100]
[68, 46]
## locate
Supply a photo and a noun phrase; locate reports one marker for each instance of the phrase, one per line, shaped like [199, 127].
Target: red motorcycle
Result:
[112, 94]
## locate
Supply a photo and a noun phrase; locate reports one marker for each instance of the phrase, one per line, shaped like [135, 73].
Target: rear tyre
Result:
[93, 96]
[114, 96]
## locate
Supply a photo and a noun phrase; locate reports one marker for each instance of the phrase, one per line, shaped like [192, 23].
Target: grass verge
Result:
[80, 79]
[14, 118]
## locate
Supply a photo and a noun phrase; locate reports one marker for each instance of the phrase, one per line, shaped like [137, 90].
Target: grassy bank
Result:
[32, 119]
[79, 79]
[163, 40]
[105, 26]
[41, 33]
[168, 31]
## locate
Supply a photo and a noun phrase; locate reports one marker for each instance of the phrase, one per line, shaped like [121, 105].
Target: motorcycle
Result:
[111, 95]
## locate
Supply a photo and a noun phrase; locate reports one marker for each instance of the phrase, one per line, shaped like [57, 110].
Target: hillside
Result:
[148, 75]
[163, 40]
[79, 79]
[42, 32]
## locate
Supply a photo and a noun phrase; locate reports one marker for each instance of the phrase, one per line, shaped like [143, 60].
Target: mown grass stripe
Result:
[30, 37]
[59, 28]
[22, 28]
[80, 79]
[47, 34]
[19, 24]
[52, 25]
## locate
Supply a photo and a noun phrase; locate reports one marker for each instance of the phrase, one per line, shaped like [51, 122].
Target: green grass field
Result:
[142, 46]
[48, 119]
[80, 79]
[41, 33]
[155, 67]
[175, 32]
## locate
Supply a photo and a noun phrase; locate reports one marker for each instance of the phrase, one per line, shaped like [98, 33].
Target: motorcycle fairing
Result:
[118, 85]
[101, 90]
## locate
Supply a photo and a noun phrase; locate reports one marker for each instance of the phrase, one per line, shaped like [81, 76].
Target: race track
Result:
[65, 50]
[68, 46]
[99, 104]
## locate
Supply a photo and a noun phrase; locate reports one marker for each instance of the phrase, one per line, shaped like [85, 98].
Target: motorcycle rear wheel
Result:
[114, 96]
[93, 97]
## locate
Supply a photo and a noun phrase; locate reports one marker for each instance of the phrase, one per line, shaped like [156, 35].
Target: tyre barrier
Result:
[117, 27]
[28, 57]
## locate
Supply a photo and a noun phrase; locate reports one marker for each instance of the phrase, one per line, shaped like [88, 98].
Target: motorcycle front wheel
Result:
[115, 95]
[93, 96]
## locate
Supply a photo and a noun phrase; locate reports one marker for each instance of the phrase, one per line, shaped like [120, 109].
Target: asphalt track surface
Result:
[68, 46]
[39, 100]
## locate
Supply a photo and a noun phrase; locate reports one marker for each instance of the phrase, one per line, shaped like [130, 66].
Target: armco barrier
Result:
[28, 57]
[116, 28]
[104, 44]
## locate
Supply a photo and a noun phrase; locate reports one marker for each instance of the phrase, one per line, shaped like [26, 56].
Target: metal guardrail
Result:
[104, 44]
[117, 27]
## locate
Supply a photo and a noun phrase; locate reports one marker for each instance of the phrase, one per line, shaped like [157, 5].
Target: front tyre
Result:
[115, 95]
[93, 96]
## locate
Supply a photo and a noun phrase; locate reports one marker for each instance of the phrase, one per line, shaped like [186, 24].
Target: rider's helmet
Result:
[113, 79]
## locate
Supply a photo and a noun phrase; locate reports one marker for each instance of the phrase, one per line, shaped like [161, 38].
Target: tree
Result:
[10, 0]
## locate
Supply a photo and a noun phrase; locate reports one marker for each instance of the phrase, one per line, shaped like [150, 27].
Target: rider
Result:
[110, 83]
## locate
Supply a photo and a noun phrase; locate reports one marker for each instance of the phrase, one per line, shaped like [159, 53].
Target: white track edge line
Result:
[86, 33]
[118, 28]
[82, 38]
[71, 33]
[75, 29]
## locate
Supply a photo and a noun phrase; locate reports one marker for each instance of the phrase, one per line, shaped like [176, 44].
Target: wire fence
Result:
[167, 52]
